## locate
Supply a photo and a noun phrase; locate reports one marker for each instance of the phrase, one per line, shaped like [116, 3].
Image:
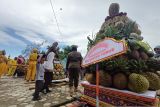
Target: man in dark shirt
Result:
[73, 66]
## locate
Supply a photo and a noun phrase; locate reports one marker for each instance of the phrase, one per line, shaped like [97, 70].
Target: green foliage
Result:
[42, 52]
[118, 64]
[64, 53]
[128, 28]
[144, 46]
[137, 66]
[90, 42]
[110, 31]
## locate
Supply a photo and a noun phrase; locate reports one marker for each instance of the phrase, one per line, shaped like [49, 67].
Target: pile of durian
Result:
[58, 71]
[135, 70]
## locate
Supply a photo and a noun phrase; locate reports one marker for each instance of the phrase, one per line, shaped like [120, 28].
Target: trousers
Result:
[38, 87]
[48, 76]
[74, 77]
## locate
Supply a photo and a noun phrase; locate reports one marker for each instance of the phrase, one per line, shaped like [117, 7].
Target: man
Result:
[73, 65]
[48, 76]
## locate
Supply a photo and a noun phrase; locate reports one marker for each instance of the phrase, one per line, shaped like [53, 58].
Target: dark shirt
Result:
[74, 60]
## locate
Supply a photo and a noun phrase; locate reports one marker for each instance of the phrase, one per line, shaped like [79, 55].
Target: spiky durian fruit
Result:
[138, 83]
[154, 80]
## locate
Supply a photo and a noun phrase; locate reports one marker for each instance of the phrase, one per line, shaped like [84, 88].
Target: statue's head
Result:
[113, 9]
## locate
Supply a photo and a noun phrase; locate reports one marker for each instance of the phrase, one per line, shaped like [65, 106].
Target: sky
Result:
[23, 22]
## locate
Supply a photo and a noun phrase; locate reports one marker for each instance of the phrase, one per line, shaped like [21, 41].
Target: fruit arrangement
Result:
[58, 72]
[136, 70]
[58, 67]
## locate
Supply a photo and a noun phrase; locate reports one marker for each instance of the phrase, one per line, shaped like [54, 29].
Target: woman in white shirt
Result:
[48, 76]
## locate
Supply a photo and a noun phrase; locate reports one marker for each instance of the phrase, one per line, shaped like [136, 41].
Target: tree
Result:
[64, 52]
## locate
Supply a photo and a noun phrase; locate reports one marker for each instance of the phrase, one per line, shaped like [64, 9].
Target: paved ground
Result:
[14, 92]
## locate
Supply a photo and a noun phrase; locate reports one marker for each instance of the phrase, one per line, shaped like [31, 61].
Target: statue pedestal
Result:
[110, 97]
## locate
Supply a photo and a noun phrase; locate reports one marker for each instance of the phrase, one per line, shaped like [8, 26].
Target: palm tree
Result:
[64, 53]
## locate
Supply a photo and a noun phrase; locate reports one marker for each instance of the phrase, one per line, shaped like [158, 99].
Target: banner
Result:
[103, 50]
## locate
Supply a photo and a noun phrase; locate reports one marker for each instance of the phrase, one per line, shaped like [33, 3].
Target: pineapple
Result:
[117, 64]
[137, 66]
[153, 64]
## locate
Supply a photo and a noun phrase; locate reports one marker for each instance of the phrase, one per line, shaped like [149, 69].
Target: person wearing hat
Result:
[32, 65]
[73, 66]
[48, 76]
[3, 63]
[13, 67]
[9, 66]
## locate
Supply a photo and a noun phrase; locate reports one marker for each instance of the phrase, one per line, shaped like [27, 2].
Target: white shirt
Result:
[49, 63]
[40, 72]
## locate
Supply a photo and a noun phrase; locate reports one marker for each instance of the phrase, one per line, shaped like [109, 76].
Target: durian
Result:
[138, 83]
[120, 81]
[105, 79]
[154, 80]
[91, 78]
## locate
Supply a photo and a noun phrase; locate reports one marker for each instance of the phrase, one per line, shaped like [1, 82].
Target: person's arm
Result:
[5, 60]
[81, 61]
[53, 55]
[29, 57]
[37, 65]
[67, 64]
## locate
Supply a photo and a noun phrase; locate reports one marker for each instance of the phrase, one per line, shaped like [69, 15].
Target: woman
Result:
[9, 66]
[3, 63]
[48, 76]
[32, 65]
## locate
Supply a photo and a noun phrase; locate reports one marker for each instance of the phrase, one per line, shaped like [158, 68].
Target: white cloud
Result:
[77, 19]
[5, 39]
